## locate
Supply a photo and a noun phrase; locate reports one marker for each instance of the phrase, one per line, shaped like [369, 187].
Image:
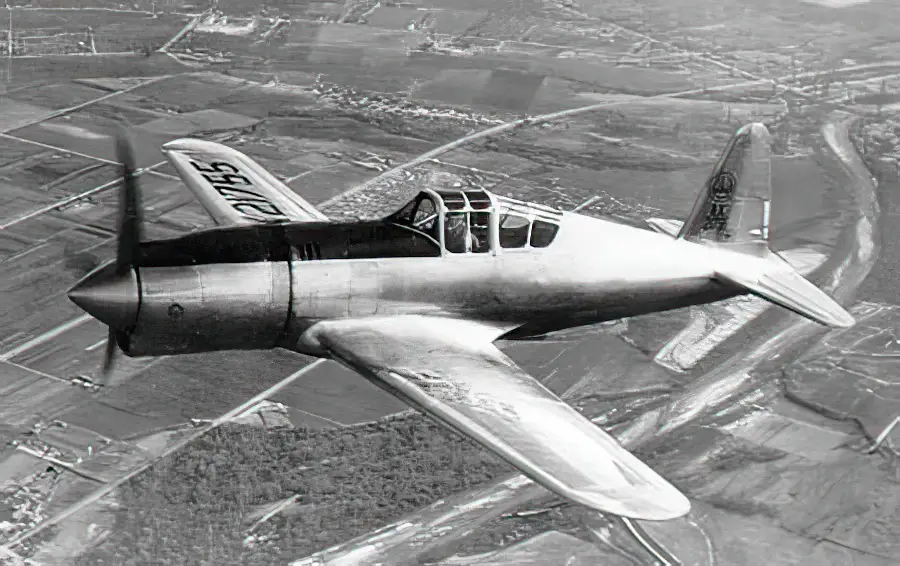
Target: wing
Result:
[233, 188]
[450, 369]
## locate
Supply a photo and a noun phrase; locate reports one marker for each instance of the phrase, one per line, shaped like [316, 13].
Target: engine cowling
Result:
[207, 307]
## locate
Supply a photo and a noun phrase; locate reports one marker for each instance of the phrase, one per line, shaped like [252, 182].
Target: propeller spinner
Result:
[111, 293]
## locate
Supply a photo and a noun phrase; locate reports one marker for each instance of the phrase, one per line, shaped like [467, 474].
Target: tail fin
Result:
[732, 215]
[734, 205]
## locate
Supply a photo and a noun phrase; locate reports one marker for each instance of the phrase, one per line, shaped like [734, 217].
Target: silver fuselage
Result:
[595, 270]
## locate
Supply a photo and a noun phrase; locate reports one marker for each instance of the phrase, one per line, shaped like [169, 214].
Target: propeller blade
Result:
[109, 354]
[130, 219]
[129, 235]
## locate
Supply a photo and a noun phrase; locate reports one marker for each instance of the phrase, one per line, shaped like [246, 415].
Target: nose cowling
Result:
[111, 298]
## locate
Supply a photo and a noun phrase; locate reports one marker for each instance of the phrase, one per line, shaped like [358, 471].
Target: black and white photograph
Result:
[450, 282]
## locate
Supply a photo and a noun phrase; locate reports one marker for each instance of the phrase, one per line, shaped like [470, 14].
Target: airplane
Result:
[415, 301]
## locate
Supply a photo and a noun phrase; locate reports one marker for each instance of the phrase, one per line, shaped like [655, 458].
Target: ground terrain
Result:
[764, 421]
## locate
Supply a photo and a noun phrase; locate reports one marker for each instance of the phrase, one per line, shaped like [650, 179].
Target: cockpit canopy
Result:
[477, 221]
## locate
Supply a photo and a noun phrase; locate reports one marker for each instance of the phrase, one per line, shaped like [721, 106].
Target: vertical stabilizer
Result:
[733, 207]
[732, 215]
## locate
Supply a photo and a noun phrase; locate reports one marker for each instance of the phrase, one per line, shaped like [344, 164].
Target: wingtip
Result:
[668, 506]
[656, 503]
[841, 319]
[190, 144]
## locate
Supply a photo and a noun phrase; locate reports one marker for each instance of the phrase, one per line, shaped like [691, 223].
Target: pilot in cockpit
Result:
[457, 236]
[455, 230]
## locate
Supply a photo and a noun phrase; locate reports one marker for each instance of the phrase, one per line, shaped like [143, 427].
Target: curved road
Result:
[425, 532]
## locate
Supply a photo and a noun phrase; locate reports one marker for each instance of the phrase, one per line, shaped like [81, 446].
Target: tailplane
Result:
[777, 282]
[731, 215]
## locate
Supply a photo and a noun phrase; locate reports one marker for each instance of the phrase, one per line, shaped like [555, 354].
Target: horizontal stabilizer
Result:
[785, 287]
[666, 226]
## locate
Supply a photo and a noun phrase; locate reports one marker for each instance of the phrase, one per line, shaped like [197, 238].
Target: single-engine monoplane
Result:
[415, 301]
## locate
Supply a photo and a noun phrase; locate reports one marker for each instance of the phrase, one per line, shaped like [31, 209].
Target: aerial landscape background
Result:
[616, 108]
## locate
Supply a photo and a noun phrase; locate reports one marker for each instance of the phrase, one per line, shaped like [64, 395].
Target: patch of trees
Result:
[196, 507]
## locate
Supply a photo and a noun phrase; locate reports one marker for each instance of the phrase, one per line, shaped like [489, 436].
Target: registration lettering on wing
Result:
[238, 191]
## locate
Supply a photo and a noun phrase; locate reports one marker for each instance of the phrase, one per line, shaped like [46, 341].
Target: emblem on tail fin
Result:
[721, 194]
[733, 206]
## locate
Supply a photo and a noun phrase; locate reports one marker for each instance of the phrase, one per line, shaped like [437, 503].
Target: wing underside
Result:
[233, 188]
[450, 370]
